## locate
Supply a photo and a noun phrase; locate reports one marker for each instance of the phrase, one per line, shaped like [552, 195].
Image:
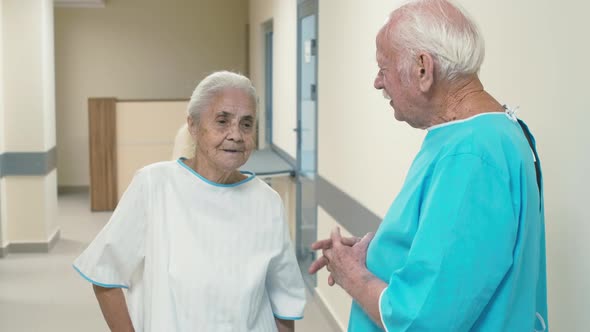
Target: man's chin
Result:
[397, 115]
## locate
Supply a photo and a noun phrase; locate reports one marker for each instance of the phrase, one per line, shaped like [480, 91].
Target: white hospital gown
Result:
[196, 255]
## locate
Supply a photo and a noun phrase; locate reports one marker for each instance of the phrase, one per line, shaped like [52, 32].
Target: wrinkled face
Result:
[388, 79]
[225, 133]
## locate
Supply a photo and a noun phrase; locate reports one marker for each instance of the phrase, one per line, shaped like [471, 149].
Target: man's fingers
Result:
[327, 243]
[336, 237]
[322, 244]
[364, 242]
[350, 241]
[317, 265]
[331, 280]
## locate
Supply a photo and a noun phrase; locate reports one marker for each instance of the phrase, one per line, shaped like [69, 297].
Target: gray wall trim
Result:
[28, 163]
[54, 239]
[334, 326]
[72, 189]
[31, 247]
[267, 26]
[307, 7]
[284, 155]
[28, 248]
[1, 223]
[347, 211]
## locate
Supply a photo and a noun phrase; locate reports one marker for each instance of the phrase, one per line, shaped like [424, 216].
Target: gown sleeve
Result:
[118, 250]
[284, 283]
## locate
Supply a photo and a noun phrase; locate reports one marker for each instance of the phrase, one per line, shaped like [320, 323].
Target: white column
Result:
[3, 237]
[28, 180]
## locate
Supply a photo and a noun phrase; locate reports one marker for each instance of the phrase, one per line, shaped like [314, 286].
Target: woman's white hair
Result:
[442, 29]
[214, 84]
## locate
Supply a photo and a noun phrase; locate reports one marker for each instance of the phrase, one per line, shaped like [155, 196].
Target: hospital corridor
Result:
[339, 165]
[42, 292]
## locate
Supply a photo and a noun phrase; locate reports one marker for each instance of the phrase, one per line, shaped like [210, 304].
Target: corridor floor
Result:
[41, 292]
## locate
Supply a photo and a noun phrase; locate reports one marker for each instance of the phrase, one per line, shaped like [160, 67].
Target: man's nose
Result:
[378, 83]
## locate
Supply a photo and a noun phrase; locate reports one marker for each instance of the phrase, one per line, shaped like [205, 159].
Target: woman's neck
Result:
[214, 174]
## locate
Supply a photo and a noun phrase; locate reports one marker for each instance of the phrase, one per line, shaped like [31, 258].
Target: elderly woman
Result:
[198, 244]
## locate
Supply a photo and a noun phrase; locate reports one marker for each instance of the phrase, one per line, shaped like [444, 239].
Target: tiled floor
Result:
[41, 292]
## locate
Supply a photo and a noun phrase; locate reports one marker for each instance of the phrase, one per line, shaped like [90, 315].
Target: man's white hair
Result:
[442, 29]
[214, 84]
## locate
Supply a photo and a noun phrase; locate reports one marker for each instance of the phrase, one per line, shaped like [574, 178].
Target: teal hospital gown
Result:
[462, 247]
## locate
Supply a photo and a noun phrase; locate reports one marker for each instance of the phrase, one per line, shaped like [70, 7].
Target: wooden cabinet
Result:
[102, 121]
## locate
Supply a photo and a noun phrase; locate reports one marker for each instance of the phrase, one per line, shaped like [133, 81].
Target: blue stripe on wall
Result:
[28, 163]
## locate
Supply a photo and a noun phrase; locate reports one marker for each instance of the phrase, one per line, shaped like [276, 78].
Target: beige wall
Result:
[28, 59]
[3, 215]
[48, 74]
[27, 224]
[2, 110]
[137, 49]
[284, 18]
[336, 300]
[285, 187]
[260, 11]
[153, 141]
[536, 53]
[3, 236]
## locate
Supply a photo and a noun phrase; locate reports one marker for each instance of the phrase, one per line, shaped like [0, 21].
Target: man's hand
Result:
[321, 262]
[326, 244]
[346, 263]
[346, 258]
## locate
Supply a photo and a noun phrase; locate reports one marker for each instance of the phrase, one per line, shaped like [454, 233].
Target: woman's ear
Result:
[192, 125]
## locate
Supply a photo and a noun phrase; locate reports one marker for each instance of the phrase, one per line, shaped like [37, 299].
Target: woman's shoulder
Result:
[263, 190]
[157, 169]
[160, 166]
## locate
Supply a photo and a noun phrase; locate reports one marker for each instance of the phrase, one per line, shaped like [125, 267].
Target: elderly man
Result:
[462, 247]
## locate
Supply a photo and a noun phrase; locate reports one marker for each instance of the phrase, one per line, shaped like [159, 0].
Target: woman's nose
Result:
[235, 134]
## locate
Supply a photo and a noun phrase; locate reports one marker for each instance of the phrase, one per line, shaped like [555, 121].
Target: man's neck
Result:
[465, 98]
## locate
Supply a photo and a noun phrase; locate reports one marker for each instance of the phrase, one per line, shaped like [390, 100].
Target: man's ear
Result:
[425, 72]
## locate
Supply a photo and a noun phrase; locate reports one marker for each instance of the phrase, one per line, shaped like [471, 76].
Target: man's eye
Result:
[221, 121]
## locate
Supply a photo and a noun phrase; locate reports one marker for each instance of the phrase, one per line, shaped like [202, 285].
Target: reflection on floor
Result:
[41, 292]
